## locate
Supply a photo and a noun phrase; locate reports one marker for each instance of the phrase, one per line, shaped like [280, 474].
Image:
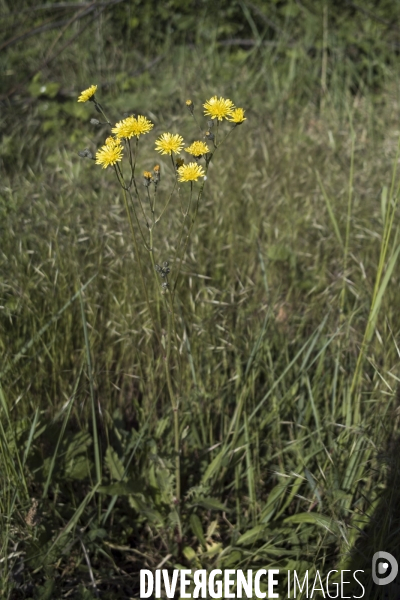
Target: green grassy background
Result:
[273, 303]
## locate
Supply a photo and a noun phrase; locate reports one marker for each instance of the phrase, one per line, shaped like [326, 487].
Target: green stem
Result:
[128, 212]
[167, 360]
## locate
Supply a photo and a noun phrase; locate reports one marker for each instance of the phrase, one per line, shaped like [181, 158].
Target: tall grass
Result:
[287, 328]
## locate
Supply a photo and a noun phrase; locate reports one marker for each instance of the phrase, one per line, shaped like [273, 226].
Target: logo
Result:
[384, 563]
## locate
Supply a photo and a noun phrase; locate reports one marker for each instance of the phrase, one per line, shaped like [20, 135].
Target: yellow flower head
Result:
[109, 154]
[237, 116]
[168, 143]
[218, 108]
[132, 126]
[190, 106]
[111, 141]
[87, 94]
[147, 174]
[190, 172]
[198, 149]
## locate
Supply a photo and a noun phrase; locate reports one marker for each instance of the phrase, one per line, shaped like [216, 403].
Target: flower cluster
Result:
[221, 108]
[168, 143]
[132, 126]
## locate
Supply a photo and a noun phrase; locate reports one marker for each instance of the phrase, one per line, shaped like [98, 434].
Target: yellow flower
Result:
[198, 149]
[218, 109]
[111, 141]
[168, 143]
[237, 116]
[109, 154]
[190, 172]
[132, 126]
[87, 94]
[147, 174]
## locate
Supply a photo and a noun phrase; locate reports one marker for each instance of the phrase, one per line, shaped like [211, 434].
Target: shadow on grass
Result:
[381, 534]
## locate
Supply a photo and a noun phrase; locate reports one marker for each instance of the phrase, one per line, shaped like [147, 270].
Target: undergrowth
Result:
[287, 329]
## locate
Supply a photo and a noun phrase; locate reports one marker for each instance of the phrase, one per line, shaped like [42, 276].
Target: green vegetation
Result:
[285, 363]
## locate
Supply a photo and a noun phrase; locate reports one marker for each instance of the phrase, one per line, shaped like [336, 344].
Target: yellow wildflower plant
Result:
[132, 126]
[109, 154]
[198, 149]
[237, 116]
[218, 108]
[168, 143]
[146, 202]
[87, 94]
[190, 172]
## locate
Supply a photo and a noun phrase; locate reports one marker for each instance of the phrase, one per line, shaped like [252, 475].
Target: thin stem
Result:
[166, 204]
[187, 238]
[128, 212]
[120, 178]
[348, 223]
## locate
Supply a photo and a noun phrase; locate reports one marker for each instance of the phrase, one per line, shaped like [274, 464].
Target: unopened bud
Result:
[190, 106]
[156, 174]
[146, 178]
[85, 153]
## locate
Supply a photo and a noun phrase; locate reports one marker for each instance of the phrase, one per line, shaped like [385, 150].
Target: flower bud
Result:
[190, 106]
[85, 153]
[146, 178]
[156, 174]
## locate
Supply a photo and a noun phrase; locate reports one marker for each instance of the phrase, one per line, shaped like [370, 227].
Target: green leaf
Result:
[233, 559]
[78, 445]
[78, 468]
[214, 466]
[252, 535]
[210, 504]
[114, 464]
[314, 519]
[197, 528]
[189, 553]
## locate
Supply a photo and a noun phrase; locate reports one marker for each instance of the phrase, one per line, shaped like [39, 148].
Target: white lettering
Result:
[272, 583]
[146, 574]
[244, 585]
[200, 580]
[215, 591]
[257, 578]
